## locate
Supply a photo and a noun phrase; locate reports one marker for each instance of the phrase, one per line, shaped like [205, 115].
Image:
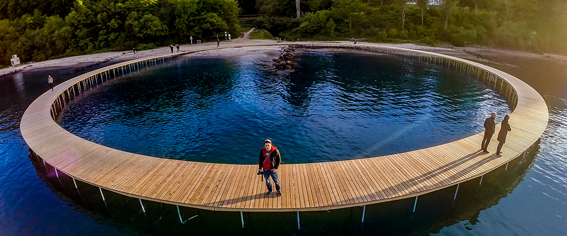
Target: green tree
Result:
[447, 8]
[349, 11]
[422, 4]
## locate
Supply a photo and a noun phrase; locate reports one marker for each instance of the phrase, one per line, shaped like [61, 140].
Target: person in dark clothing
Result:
[269, 160]
[504, 128]
[489, 127]
[218, 42]
[177, 46]
[171, 47]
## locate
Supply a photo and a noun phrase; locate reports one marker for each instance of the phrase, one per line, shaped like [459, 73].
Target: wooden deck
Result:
[306, 187]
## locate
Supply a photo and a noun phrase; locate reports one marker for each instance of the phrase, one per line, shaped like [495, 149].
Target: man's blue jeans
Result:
[267, 174]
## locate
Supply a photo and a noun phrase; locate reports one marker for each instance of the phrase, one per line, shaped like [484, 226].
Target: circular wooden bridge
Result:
[306, 187]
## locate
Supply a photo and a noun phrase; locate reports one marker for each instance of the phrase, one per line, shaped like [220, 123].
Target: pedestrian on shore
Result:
[177, 46]
[218, 41]
[489, 127]
[269, 161]
[171, 47]
[504, 128]
[355, 41]
[50, 81]
[191, 38]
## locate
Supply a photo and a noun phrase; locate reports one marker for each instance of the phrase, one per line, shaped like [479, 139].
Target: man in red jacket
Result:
[270, 161]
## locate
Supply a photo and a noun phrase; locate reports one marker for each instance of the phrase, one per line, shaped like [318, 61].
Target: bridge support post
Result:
[415, 203]
[143, 209]
[298, 225]
[456, 191]
[242, 219]
[179, 214]
[77, 188]
[102, 195]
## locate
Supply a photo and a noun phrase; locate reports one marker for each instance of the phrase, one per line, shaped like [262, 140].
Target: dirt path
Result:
[245, 37]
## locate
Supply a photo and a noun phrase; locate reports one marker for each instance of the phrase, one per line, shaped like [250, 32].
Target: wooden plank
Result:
[378, 178]
[352, 185]
[222, 188]
[323, 186]
[329, 184]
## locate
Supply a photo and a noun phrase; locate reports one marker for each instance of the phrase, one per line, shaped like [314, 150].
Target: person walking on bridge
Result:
[504, 128]
[270, 161]
[489, 127]
[50, 81]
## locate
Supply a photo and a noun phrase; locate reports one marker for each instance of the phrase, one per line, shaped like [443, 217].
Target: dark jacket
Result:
[504, 128]
[489, 125]
[274, 155]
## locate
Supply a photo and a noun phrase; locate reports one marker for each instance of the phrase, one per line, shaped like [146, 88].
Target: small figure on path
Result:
[171, 47]
[50, 81]
[134, 50]
[177, 46]
[270, 161]
[355, 41]
[504, 128]
[489, 127]
[191, 38]
[218, 41]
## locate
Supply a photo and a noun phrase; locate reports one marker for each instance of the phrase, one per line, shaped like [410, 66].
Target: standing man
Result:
[489, 127]
[171, 47]
[191, 38]
[50, 81]
[177, 46]
[218, 41]
[270, 161]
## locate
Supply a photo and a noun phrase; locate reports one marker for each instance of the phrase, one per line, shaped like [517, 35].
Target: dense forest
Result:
[40, 30]
[535, 25]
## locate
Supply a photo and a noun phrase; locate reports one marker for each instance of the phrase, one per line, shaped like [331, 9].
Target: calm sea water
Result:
[535, 204]
[333, 106]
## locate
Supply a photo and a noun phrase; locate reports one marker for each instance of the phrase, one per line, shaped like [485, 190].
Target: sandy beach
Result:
[482, 54]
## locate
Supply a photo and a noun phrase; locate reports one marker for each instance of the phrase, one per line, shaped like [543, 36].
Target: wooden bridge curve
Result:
[306, 187]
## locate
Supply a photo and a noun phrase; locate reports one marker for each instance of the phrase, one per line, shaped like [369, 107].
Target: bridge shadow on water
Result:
[433, 211]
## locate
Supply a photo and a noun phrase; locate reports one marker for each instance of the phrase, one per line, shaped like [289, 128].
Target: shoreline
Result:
[83, 62]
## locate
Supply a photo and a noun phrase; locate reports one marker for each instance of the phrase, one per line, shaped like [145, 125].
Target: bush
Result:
[143, 46]
[403, 34]
[393, 33]
[382, 34]
[261, 34]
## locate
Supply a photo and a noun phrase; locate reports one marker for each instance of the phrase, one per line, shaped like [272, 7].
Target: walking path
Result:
[306, 187]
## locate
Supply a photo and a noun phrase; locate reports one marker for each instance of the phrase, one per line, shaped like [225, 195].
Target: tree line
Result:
[41, 30]
[535, 25]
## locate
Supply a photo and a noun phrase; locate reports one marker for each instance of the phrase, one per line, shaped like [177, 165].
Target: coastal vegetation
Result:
[41, 30]
[534, 25]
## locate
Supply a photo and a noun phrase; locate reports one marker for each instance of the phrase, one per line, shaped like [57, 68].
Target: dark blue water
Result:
[534, 204]
[333, 106]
